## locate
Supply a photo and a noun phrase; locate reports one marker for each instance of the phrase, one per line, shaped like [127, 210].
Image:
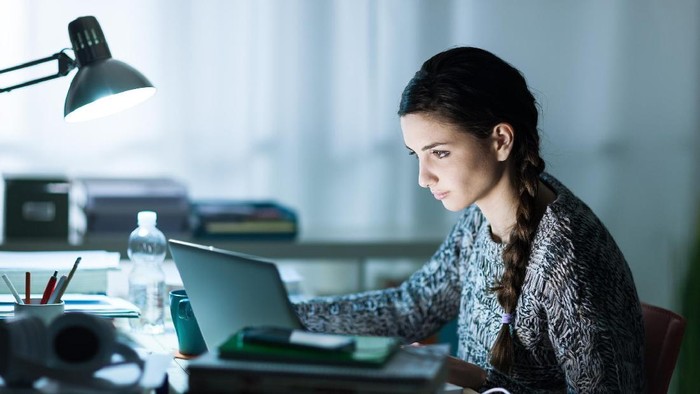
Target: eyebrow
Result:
[430, 146]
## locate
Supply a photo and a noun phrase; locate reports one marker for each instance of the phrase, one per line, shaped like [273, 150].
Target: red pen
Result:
[28, 287]
[49, 288]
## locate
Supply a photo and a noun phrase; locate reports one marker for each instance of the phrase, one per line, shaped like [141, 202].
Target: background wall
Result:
[296, 100]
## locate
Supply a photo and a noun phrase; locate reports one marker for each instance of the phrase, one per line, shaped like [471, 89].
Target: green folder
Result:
[370, 351]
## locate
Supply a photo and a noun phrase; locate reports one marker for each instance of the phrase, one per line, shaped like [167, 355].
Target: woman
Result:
[544, 298]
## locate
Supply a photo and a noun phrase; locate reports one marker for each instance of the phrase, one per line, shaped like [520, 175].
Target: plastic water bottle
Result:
[147, 247]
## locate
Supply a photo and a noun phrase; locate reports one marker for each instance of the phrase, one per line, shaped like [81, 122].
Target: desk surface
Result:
[177, 372]
[166, 343]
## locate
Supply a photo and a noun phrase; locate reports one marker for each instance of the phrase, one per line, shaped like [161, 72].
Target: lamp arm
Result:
[65, 65]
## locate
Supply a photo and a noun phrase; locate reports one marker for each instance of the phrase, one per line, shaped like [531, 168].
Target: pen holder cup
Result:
[189, 337]
[46, 312]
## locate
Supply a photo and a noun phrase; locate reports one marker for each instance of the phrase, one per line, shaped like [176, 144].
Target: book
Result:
[243, 220]
[369, 351]
[415, 370]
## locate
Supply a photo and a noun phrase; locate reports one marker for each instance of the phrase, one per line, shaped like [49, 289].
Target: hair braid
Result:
[517, 253]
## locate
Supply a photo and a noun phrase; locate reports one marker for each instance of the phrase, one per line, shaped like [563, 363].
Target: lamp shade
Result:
[102, 86]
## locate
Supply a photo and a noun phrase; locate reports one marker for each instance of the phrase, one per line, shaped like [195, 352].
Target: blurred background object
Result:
[36, 207]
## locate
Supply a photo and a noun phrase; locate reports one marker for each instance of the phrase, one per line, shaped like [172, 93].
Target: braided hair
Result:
[476, 90]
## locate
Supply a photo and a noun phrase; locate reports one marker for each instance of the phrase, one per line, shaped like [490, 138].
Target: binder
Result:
[370, 351]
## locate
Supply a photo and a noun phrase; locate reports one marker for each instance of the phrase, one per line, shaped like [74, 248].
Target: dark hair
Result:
[476, 90]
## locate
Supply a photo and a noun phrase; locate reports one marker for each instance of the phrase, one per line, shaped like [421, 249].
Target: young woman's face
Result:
[458, 168]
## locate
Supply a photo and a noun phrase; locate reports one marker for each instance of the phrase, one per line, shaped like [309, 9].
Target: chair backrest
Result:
[663, 334]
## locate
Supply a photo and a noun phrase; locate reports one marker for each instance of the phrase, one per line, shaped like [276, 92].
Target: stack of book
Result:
[90, 278]
[243, 220]
[377, 365]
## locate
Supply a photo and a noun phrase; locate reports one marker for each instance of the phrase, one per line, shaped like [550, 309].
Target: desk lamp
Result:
[102, 86]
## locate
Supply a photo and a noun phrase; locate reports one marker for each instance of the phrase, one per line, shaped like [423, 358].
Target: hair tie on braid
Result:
[506, 318]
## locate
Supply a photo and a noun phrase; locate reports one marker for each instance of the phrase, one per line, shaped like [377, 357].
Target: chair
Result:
[663, 334]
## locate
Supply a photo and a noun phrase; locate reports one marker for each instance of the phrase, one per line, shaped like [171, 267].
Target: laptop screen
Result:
[229, 290]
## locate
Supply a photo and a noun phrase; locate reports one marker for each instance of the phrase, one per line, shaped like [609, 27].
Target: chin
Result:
[452, 207]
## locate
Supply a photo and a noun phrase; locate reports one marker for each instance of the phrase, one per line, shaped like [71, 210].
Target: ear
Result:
[503, 137]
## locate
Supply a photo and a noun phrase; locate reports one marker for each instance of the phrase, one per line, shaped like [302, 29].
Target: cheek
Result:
[470, 171]
[474, 175]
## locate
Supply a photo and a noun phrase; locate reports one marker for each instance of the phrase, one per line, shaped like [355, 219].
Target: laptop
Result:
[229, 291]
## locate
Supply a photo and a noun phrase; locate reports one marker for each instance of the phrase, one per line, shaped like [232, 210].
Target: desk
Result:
[178, 377]
[166, 343]
[359, 248]
[177, 372]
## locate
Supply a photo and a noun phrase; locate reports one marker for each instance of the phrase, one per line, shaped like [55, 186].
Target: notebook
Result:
[229, 291]
[369, 351]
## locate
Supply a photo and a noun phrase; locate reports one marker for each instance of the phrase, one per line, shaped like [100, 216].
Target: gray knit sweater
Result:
[578, 323]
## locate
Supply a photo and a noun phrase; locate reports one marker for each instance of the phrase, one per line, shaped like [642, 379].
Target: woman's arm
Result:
[413, 311]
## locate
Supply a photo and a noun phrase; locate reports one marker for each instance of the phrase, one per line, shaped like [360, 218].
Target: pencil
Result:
[12, 289]
[60, 285]
[50, 286]
[70, 276]
[28, 287]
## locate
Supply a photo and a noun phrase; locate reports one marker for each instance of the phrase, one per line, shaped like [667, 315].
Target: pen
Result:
[49, 288]
[60, 285]
[70, 276]
[27, 287]
[12, 289]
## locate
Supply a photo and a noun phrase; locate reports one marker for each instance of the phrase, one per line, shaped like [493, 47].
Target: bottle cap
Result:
[146, 218]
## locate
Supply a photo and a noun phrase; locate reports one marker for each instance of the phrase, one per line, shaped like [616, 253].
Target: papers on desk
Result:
[90, 278]
[59, 260]
[95, 304]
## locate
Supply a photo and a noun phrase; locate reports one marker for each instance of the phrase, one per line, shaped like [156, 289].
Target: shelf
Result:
[304, 248]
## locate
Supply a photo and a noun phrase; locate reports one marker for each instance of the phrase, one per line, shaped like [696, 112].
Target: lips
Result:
[440, 195]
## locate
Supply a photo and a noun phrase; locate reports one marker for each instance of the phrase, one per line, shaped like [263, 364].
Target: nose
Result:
[426, 178]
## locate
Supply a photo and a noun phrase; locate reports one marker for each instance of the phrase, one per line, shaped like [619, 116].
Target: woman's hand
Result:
[464, 374]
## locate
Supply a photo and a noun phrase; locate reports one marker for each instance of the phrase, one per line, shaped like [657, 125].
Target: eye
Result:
[440, 154]
[412, 153]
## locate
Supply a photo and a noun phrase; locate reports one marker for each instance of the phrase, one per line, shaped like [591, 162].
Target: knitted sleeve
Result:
[414, 310]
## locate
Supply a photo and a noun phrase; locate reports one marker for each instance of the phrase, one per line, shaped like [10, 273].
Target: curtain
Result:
[296, 101]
